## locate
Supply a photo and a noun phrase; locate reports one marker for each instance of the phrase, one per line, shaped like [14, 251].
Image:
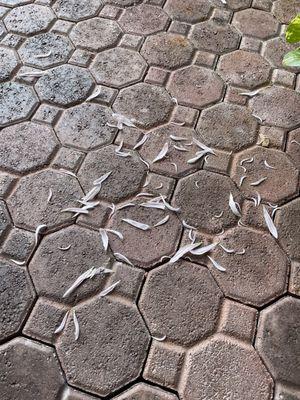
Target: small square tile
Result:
[205, 59]
[298, 83]
[264, 5]
[250, 44]
[3, 11]
[283, 392]
[2, 30]
[6, 184]
[221, 15]
[156, 2]
[110, 11]
[96, 218]
[12, 40]
[131, 41]
[68, 159]
[185, 115]
[44, 2]
[106, 95]
[157, 76]
[218, 163]
[179, 27]
[294, 285]
[275, 136]
[233, 96]
[252, 215]
[62, 26]
[131, 280]
[284, 78]
[18, 244]
[81, 57]
[47, 114]
[29, 75]
[129, 136]
[159, 184]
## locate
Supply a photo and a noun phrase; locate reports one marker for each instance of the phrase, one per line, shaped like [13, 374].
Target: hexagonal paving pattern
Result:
[75, 10]
[188, 11]
[118, 67]
[256, 23]
[21, 152]
[274, 51]
[285, 10]
[8, 63]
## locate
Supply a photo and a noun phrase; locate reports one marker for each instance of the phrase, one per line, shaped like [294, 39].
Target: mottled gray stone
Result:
[5, 222]
[145, 392]
[188, 10]
[8, 63]
[75, 10]
[18, 244]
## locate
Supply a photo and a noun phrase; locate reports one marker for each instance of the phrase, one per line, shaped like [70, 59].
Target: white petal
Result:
[102, 178]
[203, 250]
[270, 224]
[163, 152]
[76, 324]
[216, 264]
[136, 224]
[109, 289]
[62, 325]
[234, 206]
[162, 222]
[104, 238]
[182, 251]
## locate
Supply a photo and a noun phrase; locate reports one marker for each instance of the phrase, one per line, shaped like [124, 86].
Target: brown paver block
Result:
[203, 196]
[17, 296]
[196, 87]
[181, 301]
[75, 10]
[8, 63]
[7, 182]
[68, 159]
[215, 36]
[126, 177]
[255, 277]
[274, 51]
[85, 126]
[86, 251]
[131, 278]
[285, 10]
[28, 202]
[5, 222]
[294, 284]
[234, 5]
[18, 357]
[286, 393]
[275, 136]
[278, 339]
[188, 11]
[244, 69]
[223, 367]
[116, 339]
[293, 147]
[18, 244]
[220, 162]
[227, 126]
[167, 50]
[147, 392]
[256, 23]
[96, 218]
[154, 243]
[282, 179]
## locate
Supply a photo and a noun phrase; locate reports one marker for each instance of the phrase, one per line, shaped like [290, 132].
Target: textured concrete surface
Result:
[126, 126]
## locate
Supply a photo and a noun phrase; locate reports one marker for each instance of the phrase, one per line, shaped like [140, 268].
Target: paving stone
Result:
[189, 11]
[156, 76]
[64, 85]
[256, 277]
[152, 243]
[274, 51]
[167, 50]
[143, 19]
[287, 221]
[46, 114]
[238, 320]
[147, 392]
[158, 137]
[158, 184]
[278, 338]
[185, 115]
[131, 41]
[76, 10]
[276, 136]
[181, 28]
[215, 36]
[17, 102]
[205, 59]
[96, 217]
[17, 296]
[6, 183]
[234, 5]
[265, 5]
[29, 19]
[21, 152]
[110, 11]
[85, 126]
[232, 369]
[62, 26]
[82, 58]
[149, 105]
[118, 67]
[294, 284]
[131, 280]
[285, 10]
[196, 87]
[220, 162]
[187, 294]
[12, 40]
[227, 126]
[11, 3]
[251, 44]
[125, 180]
[21, 355]
[256, 23]
[68, 159]
[293, 145]
[244, 69]
[107, 368]
[95, 34]
[164, 364]
[286, 393]
[72, 394]
[40, 45]
[283, 78]
[5, 222]
[85, 252]
[8, 63]
[43, 320]
[34, 190]
[18, 244]
[124, 3]
[199, 205]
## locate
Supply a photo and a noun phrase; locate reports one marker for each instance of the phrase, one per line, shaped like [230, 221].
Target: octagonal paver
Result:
[17, 102]
[29, 19]
[278, 339]
[256, 23]
[204, 195]
[277, 106]
[143, 19]
[86, 251]
[149, 105]
[234, 5]
[28, 202]
[285, 10]
[125, 180]
[16, 295]
[227, 126]
[196, 86]
[288, 223]
[114, 336]
[227, 369]
[14, 2]
[188, 295]
[282, 179]
[167, 50]
[189, 10]
[85, 126]
[21, 355]
[255, 277]
[5, 222]
[95, 34]
[274, 51]
[118, 67]
[8, 63]
[215, 36]
[145, 392]
[57, 46]
[75, 10]
[20, 151]
[153, 244]
[64, 85]
[244, 69]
